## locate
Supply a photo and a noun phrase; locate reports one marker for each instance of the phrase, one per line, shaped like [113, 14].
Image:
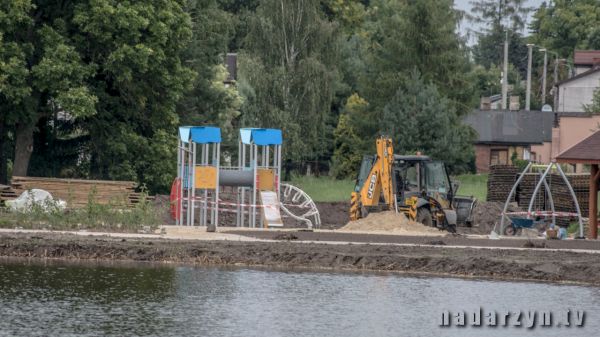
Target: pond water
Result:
[61, 299]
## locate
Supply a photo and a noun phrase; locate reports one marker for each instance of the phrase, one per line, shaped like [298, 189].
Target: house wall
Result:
[574, 94]
[572, 130]
[543, 152]
[482, 158]
[483, 155]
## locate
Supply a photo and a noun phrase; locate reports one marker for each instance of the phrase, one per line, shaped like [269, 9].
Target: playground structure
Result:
[259, 198]
[517, 217]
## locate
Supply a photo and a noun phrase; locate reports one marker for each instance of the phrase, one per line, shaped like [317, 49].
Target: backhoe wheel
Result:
[424, 217]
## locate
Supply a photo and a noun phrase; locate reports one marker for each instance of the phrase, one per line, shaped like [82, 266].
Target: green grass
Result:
[324, 188]
[329, 189]
[472, 185]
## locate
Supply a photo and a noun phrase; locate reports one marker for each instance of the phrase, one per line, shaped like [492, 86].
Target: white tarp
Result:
[38, 197]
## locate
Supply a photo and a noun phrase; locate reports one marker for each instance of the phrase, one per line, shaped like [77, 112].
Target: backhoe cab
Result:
[414, 185]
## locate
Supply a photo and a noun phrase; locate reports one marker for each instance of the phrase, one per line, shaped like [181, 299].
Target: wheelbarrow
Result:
[516, 224]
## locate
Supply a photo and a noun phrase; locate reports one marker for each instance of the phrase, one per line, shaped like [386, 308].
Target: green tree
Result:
[501, 19]
[566, 25]
[287, 74]
[419, 118]
[489, 50]
[241, 13]
[210, 100]
[95, 81]
[349, 14]
[139, 77]
[507, 14]
[346, 157]
[415, 34]
[42, 72]
[594, 107]
[486, 81]
[352, 137]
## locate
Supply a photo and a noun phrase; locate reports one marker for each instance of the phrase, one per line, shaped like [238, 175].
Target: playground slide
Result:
[270, 209]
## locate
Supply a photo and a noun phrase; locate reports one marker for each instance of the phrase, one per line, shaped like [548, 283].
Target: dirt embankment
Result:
[536, 264]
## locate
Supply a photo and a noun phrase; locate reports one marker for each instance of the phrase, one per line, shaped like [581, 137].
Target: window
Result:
[436, 178]
[498, 157]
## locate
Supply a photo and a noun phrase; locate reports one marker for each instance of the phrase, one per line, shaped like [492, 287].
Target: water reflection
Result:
[119, 300]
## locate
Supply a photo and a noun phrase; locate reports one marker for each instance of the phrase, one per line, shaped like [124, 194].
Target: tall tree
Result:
[415, 34]
[489, 50]
[139, 77]
[564, 25]
[352, 137]
[287, 74]
[507, 14]
[418, 118]
[107, 71]
[397, 40]
[500, 19]
[210, 100]
[44, 72]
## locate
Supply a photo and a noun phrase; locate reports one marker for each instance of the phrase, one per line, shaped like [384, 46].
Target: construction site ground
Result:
[571, 261]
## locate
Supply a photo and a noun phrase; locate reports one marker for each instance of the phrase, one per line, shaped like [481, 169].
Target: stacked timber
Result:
[563, 201]
[7, 193]
[525, 192]
[79, 192]
[500, 181]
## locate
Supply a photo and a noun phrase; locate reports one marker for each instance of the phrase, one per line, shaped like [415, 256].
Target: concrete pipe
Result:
[236, 178]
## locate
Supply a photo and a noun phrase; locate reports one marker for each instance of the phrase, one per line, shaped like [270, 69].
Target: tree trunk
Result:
[23, 148]
[3, 153]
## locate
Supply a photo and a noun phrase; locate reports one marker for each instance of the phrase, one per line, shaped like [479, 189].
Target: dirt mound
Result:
[390, 222]
[334, 214]
[487, 214]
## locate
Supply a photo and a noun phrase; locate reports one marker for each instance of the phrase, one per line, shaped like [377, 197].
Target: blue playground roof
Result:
[260, 136]
[200, 134]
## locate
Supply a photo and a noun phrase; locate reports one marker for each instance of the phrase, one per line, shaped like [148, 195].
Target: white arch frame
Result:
[536, 190]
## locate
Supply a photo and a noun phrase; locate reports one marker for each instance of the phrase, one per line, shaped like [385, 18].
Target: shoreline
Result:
[538, 265]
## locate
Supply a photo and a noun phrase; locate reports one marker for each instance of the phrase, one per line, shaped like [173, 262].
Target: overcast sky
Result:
[466, 6]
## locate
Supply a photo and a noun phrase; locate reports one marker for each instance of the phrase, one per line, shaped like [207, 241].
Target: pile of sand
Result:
[390, 222]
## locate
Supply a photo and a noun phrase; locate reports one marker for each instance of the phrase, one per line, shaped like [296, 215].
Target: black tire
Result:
[509, 230]
[424, 217]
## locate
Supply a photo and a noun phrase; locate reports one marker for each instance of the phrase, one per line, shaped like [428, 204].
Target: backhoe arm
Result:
[378, 183]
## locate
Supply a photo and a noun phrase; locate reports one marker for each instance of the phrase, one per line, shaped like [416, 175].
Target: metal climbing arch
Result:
[299, 205]
[542, 181]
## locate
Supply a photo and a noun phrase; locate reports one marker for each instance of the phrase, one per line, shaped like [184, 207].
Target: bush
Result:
[114, 217]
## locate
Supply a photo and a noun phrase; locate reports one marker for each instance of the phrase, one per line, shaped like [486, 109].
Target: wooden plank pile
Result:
[500, 181]
[563, 202]
[7, 193]
[525, 192]
[78, 192]
[562, 197]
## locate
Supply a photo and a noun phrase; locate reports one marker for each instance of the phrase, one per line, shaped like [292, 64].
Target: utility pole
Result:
[544, 75]
[505, 74]
[528, 95]
[556, 93]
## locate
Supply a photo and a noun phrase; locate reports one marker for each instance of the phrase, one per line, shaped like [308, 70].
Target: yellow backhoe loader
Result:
[414, 185]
